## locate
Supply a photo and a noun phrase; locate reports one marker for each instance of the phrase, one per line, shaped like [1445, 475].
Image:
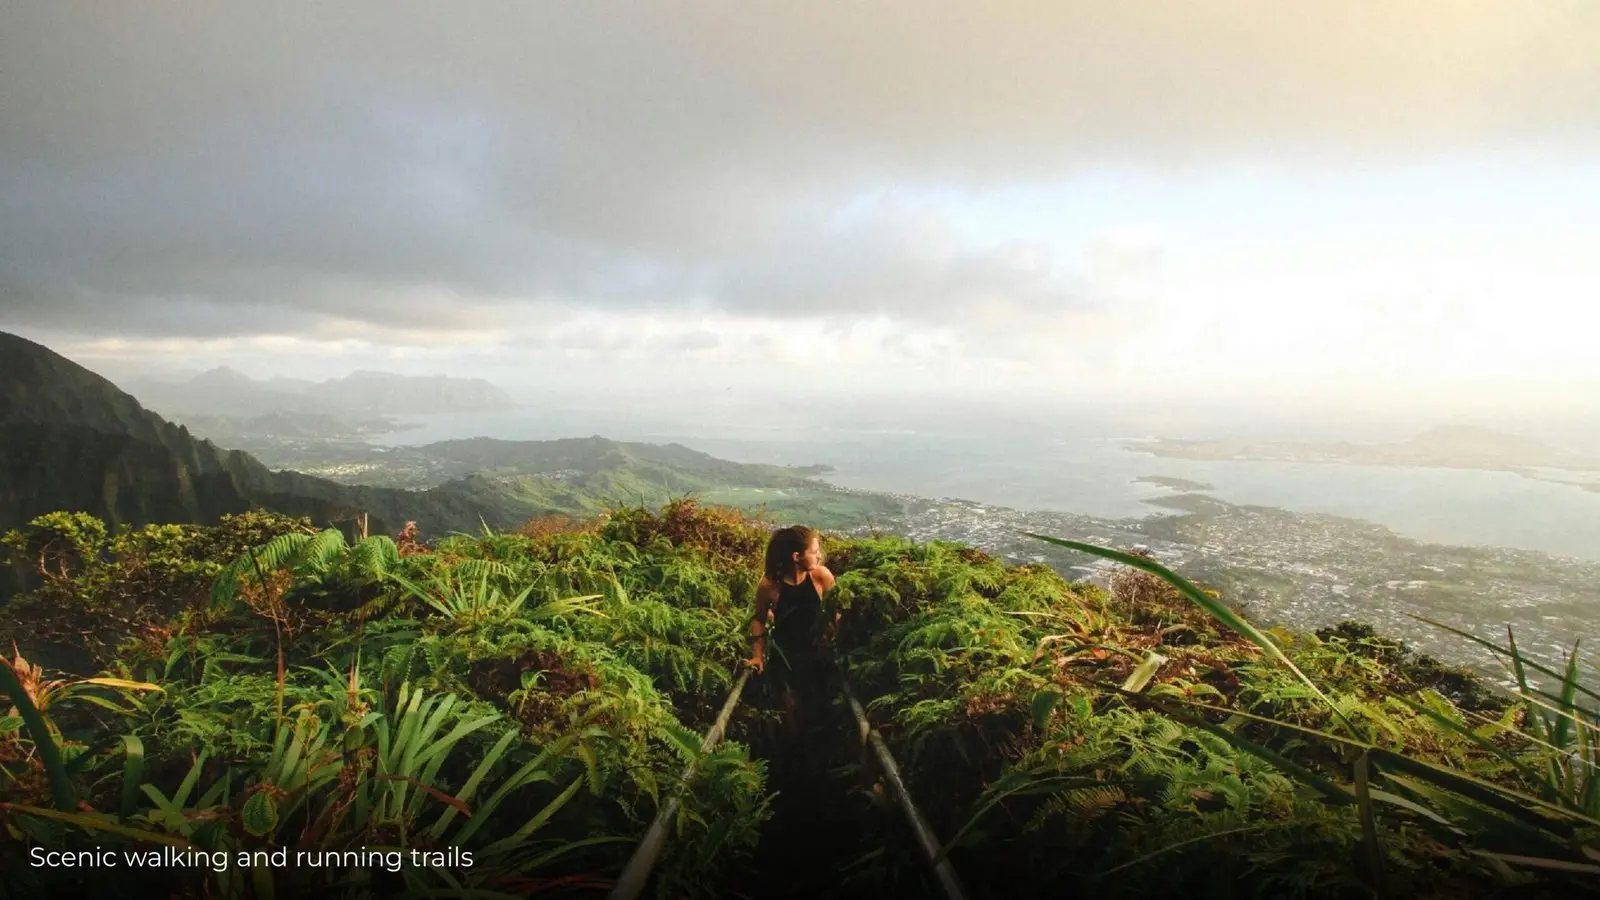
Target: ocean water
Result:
[1083, 467]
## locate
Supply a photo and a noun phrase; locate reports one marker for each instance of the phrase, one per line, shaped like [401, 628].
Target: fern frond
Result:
[323, 550]
[374, 556]
[281, 550]
[683, 741]
[478, 569]
[1079, 806]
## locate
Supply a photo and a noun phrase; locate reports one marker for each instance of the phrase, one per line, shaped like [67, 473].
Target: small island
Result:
[1177, 484]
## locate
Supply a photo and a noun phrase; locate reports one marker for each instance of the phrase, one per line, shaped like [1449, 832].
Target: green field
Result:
[820, 507]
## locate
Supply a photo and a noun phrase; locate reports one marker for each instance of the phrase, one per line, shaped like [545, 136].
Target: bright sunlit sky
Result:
[1352, 204]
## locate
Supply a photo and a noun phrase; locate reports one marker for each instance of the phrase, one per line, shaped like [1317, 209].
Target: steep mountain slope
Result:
[71, 440]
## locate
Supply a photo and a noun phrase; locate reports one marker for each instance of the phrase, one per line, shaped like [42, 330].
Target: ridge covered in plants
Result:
[530, 697]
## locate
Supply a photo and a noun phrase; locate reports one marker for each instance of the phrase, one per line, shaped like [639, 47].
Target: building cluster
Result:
[1311, 571]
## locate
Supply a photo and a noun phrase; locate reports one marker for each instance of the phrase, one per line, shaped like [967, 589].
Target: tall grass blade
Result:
[1557, 713]
[1538, 722]
[471, 786]
[1520, 661]
[132, 774]
[1369, 827]
[181, 797]
[538, 820]
[1543, 863]
[1513, 803]
[533, 770]
[1569, 690]
[1412, 806]
[94, 823]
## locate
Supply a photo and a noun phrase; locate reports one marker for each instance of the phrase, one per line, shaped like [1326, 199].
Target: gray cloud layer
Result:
[265, 167]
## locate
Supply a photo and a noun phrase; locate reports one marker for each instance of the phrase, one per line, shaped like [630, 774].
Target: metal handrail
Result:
[942, 870]
[637, 872]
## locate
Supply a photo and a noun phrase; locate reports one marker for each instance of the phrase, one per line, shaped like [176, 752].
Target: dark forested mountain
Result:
[71, 440]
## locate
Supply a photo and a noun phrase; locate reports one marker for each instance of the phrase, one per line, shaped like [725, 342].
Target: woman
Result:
[789, 599]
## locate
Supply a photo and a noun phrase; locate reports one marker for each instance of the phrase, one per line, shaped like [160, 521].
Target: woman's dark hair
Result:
[784, 544]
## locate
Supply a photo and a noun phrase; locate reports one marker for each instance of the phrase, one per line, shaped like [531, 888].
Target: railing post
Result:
[942, 870]
[637, 873]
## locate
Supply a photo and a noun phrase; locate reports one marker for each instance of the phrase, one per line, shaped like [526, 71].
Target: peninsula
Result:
[1446, 447]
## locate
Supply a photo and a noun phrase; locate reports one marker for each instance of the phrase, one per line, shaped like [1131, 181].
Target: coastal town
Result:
[1307, 571]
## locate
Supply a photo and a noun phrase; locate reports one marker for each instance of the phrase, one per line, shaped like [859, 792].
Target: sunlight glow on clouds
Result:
[1238, 199]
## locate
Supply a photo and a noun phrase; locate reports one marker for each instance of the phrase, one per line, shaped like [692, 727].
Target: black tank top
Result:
[799, 614]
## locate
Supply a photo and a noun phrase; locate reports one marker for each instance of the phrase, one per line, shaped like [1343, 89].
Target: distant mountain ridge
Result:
[225, 391]
[380, 393]
[1513, 449]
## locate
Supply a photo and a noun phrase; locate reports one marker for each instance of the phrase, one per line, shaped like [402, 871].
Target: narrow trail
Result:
[834, 831]
[827, 837]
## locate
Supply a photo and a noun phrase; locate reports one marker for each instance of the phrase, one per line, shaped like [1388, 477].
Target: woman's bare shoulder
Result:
[823, 577]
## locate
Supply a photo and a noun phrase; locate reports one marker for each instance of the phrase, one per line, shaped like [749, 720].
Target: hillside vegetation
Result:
[530, 697]
[594, 463]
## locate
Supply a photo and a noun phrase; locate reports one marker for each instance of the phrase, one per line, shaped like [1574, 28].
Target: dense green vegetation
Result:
[530, 696]
[821, 505]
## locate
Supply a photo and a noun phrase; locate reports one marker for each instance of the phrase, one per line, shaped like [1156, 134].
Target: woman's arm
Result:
[766, 594]
[824, 580]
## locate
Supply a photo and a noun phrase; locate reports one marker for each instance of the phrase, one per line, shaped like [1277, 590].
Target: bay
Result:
[1089, 472]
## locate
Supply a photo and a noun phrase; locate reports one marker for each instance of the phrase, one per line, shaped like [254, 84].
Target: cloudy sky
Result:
[1352, 202]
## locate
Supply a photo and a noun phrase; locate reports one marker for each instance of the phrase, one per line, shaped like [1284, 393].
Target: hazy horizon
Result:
[809, 417]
